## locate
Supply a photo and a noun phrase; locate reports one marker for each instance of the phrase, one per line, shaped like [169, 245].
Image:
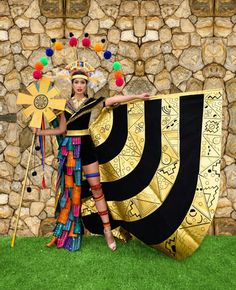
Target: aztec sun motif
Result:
[41, 101]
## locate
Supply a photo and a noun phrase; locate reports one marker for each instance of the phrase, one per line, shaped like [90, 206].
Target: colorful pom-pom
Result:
[73, 41]
[116, 65]
[118, 74]
[38, 66]
[86, 42]
[37, 74]
[119, 82]
[44, 60]
[58, 45]
[49, 52]
[107, 54]
[98, 47]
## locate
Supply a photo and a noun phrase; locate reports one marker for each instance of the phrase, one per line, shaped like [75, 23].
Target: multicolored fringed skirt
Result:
[68, 225]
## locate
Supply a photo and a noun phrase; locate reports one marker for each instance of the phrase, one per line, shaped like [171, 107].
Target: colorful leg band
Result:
[101, 213]
[98, 198]
[96, 187]
[89, 175]
[106, 225]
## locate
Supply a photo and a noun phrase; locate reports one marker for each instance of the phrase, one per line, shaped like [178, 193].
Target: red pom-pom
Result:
[86, 42]
[73, 41]
[119, 82]
[38, 66]
[118, 74]
[37, 74]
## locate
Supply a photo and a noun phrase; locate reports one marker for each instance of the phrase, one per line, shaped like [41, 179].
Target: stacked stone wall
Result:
[163, 46]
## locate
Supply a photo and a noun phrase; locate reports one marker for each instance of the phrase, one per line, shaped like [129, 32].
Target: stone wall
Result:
[163, 46]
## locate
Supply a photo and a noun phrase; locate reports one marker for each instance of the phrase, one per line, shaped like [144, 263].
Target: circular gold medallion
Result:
[41, 102]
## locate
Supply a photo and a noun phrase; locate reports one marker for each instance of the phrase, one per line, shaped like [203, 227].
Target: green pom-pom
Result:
[116, 65]
[44, 60]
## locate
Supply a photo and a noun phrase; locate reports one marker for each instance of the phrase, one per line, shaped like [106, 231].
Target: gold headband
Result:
[78, 76]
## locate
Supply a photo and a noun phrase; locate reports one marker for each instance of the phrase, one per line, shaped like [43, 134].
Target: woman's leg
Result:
[91, 172]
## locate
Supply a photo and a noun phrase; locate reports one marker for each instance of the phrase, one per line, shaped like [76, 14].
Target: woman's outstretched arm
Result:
[119, 99]
[56, 131]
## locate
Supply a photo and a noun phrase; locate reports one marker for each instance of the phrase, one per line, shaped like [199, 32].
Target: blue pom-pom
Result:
[107, 54]
[49, 52]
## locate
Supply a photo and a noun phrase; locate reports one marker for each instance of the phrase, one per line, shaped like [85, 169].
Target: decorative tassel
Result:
[76, 210]
[71, 233]
[61, 240]
[58, 230]
[65, 141]
[77, 229]
[67, 225]
[63, 216]
[64, 151]
[70, 160]
[77, 151]
[78, 165]
[77, 177]
[69, 170]
[68, 181]
[63, 201]
[43, 182]
[76, 140]
[76, 195]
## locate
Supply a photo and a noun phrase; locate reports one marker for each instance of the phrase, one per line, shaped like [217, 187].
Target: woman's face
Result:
[79, 86]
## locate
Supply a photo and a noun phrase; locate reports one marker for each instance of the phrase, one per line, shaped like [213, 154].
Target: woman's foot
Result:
[110, 239]
[52, 242]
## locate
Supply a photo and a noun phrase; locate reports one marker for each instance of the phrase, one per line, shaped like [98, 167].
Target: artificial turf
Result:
[30, 265]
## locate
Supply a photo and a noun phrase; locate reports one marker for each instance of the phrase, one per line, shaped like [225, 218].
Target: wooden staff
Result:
[22, 193]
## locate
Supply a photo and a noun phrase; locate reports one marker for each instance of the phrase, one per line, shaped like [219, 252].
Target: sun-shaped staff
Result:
[41, 102]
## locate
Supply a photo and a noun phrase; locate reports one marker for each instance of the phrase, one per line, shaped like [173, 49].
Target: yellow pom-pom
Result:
[58, 46]
[98, 47]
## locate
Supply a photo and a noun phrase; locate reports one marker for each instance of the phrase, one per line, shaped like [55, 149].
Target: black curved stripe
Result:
[160, 225]
[143, 173]
[110, 148]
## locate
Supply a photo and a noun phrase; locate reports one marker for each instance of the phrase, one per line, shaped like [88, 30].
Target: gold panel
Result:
[77, 8]
[225, 7]
[105, 121]
[52, 8]
[202, 7]
[187, 238]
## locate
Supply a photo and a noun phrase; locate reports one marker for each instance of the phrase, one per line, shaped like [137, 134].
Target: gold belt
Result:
[77, 132]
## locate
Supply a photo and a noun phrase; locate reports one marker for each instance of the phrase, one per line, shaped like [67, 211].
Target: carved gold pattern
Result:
[100, 133]
[131, 153]
[185, 240]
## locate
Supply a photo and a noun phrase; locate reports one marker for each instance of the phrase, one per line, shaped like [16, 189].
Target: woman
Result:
[77, 150]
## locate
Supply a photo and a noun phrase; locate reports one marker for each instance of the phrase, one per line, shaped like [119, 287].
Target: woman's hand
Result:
[143, 96]
[36, 131]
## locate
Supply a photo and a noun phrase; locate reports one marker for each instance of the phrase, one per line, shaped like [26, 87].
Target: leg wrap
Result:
[89, 175]
[96, 187]
[100, 201]
[98, 198]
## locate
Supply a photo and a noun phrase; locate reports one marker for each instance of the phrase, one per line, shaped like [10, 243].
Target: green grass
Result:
[30, 265]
